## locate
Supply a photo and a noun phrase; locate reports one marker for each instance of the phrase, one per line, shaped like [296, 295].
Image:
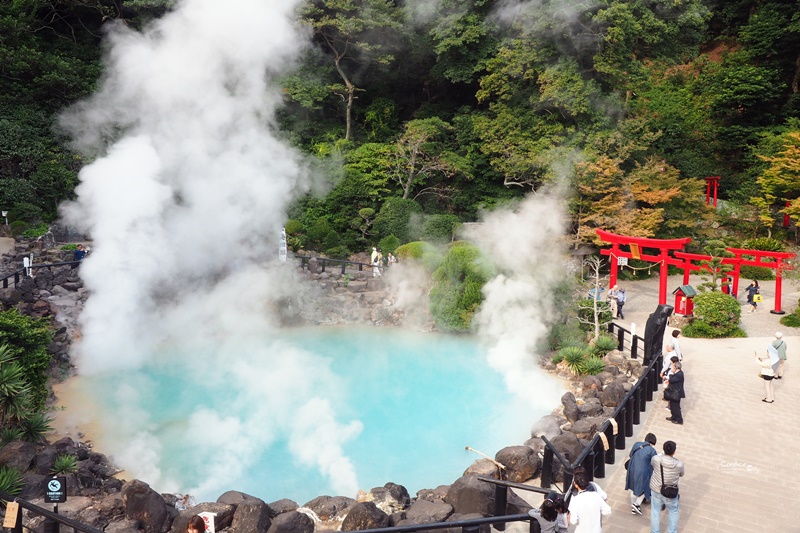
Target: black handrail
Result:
[635, 344]
[22, 273]
[467, 526]
[35, 509]
[323, 261]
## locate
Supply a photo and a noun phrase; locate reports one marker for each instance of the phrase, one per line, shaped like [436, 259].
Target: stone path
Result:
[742, 473]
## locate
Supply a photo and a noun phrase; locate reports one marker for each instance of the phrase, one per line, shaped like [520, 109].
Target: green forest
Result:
[422, 114]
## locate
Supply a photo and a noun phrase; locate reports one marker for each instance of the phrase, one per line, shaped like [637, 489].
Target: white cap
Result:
[778, 335]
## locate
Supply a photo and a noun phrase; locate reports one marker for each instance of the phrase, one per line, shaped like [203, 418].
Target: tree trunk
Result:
[796, 77]
[351, 92]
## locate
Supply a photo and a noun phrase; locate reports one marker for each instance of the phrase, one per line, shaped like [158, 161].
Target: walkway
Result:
[742, 472]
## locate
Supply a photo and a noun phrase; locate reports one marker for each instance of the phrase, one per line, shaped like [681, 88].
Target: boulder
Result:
[145, 505]
[123, 526]
[584, 428]
[364, 515]
[483, 467]
[548, 426]
[613, 394]
[390, 498]
[425, 512]
[18, 455]
[282, 506]
[568, 445]
[591, 407]
[521, 462]
[329, 507]
[571, 411]
[468, 494]
[292, 522]
[592, 382]
[536, 444]
[432, 495]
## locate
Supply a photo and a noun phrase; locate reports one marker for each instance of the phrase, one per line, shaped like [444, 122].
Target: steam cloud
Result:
[526, 242]
[184, 202]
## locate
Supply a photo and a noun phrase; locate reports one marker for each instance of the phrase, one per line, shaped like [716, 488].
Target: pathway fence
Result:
[53, 520]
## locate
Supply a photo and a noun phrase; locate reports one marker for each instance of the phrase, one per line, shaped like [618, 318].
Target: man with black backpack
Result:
[667, 471]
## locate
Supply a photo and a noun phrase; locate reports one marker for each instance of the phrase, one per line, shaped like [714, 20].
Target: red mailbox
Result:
[684, 303]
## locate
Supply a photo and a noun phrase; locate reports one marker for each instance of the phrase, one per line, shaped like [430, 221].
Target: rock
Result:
[521, 463]
[548, 426]
[18, 455]
[145, 505]
[123, 526]
[612, 394]
[536, 444]
[432, 495]
[282, 506]
[251, 516]
[390, 498]
[483, 467]
[468, 494]
[329, 507]
[584, 429]
[571, 411]
[591, 407]
[567, 445]
[592, 382]
[364, 515]
[425, 512]
[292, 522]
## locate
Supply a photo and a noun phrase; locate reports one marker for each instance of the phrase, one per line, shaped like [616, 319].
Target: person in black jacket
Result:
[675, 382]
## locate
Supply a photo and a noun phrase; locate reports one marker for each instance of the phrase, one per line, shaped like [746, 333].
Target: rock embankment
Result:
[98, 498]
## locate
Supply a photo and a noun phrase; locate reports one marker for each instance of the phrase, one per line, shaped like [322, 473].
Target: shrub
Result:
[564, 334]
[594, 365]
[763, 243]
[389, 244]
[586, 314]
[604, 344]
[9, 434]
[10, 480]
[791, 321]
[293, 227]
[440, 228]
[716, 315]
[27, 339]
[69, 247]
[574, 356]
[456, 292]
[18, 227]
[760, 273]
[36, 427]
[64, 464]
[338, 252]
[422, 252]
[35, 231]
[395, 218]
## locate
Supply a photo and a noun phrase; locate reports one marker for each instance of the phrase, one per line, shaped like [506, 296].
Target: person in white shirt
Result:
[587, 508]
[676, 344]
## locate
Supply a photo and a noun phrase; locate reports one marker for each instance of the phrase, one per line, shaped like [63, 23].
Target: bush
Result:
[395, 218]
[760, 273]
[604, 344]
[64, 464]
[338, 252]
[69, 247]
[763, 243]
[564, 334]
[424, 253]
[593, 365]
[27, 339]
[574, 356]
[389, 244]
[293, 227]
[18, 227]
[10, 480]
[716, 315]
[456, 292]
[440, 228]
[791, 321]
[586, 314]
[36, 427]
[35, 231]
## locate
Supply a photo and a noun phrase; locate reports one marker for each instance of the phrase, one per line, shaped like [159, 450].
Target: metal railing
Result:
[323, 262]
[52, 519]
[627, 341]
[595, 456]
[22, 273]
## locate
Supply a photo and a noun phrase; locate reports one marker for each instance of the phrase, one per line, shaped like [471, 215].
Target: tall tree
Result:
[353, 32]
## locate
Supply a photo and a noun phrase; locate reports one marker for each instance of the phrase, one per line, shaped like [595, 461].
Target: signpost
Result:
[55, 493]
[282, 252]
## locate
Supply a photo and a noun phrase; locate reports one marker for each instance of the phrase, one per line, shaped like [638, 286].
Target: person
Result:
[195, 524]
[593, 487]
[666, 370]
[780, 345]
[621, 299]
[78, 254]
[612, 299]
[676, 345]
[673, 471]
[392, 259]
[767, 374]
[546, 515]
[376, 268]
[751, 291]
[373, 255]
[675, 381]
[637, 480]
[587, 508]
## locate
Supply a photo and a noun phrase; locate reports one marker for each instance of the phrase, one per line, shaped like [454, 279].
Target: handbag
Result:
[672, 395]
[757, 298]
[632, 454]
[667, 491]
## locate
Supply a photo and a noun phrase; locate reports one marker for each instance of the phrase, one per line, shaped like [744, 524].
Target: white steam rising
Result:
[526, 243]
[184, 203]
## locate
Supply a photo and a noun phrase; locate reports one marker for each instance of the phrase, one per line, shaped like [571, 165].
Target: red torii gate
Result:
[637, 244]
[684, 260]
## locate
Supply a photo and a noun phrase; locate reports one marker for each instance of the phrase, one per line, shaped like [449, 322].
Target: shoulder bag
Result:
[634, 453]
[672, 394]
[667, 491]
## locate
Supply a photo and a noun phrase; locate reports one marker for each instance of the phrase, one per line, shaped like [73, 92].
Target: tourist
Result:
[374, 255]
[676, 345]
[672, 471]
[587, 508]
[392, 259]
[780, 345]
[196, 525]
[78, 254]
[637, 480]
[767, 373]
[666, 370]
[675, 383]
[621, 299]
[376, 268]
[612, 299]
[593, 487]
[546, 515]
[752, 290]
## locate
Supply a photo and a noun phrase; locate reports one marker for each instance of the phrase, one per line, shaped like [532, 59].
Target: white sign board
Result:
[282, 248]
[208, 518]
[622, 261]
